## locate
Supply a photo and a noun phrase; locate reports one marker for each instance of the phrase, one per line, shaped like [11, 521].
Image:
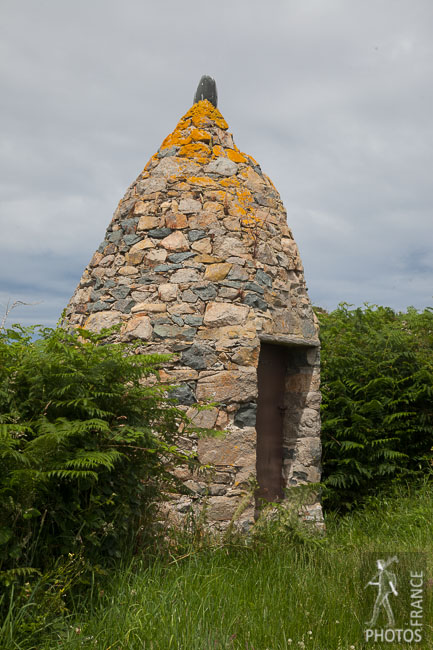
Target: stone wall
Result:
[198, 260]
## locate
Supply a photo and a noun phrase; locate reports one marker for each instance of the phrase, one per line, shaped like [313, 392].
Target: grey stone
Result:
[263, 278]
[109, 284]
[165, 331]
[198, 356]
[194, 235]
[95, 295]
[206, 293]
[171, 151]
[163, 268]
[102, 246]
[222, 166]
[120, 292]
[234, 284]
[263, 199]
[152, 184]
[252, 286]
[217, 490]
[183, 394]
[246, 416]
[126, 207]
[131, 239]
[185, 275]
[177, 320]
[180, 257]
[228, 292]
[115, 236]
[255, 301]
[195, 321]
[125, 305]
[189, 206]
[129, 222]
[159, 233]
[98, 306]
[308, 328]
[238, 273]
[189, 296]
[146, 279]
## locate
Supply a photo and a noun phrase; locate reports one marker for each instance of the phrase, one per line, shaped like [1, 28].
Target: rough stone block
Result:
[217, 272]
[237, 449]
[137, 327]
[167, 291]
[100, 320]
[228, 386]
[175, 242]
[218, 314]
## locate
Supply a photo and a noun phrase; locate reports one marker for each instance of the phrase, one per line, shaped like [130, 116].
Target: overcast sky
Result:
[332, 97]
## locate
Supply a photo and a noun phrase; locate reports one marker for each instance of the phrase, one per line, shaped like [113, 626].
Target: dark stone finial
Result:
[206, 89]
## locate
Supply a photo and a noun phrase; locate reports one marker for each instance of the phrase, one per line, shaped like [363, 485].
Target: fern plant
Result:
[377, 399]
[86, 447]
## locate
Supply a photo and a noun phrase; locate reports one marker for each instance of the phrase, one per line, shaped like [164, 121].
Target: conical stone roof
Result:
[198, 260]
[201, 224]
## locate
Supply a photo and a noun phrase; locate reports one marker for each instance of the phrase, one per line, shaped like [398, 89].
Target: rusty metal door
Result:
[271, 374]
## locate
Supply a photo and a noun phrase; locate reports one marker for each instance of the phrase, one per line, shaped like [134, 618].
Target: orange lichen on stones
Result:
[202, 181]
[218, 151]
[236, 156]
[197, 150]
[217, 196]
[201, 112]
[229, 182]
[200, 135]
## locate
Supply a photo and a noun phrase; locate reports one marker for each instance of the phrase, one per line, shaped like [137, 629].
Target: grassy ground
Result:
[284, 590]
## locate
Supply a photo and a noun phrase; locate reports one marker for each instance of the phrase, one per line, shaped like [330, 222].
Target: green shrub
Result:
[377, 399]
[86, 447]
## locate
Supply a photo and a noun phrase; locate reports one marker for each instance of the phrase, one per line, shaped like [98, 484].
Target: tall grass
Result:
[279, 590]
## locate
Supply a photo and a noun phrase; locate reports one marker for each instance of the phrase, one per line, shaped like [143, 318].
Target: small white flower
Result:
[309, 632]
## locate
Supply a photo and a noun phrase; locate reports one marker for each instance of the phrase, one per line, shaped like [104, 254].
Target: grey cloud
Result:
[333, 99]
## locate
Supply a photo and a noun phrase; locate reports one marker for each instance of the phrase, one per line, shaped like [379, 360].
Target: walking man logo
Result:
[386, 583]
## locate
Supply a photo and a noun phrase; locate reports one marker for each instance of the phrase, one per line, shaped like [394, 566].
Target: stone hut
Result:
[198, 260]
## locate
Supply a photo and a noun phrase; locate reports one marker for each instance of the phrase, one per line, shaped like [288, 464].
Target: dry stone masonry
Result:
[199, 261]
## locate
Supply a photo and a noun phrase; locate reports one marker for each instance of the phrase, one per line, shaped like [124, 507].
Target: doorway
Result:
[271, 376]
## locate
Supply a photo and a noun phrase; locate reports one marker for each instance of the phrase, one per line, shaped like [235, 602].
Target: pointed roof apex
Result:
[206, 89]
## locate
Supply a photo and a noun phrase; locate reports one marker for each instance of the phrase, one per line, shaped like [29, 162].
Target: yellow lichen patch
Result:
[237, 210]
[182, 185]
[236, 156]
[229, 182]
[202, 181]
[221, 123]
[218, 151]
[199, 151]
[200, 135]
[217, 196]
[201, 112]
[244, 197]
